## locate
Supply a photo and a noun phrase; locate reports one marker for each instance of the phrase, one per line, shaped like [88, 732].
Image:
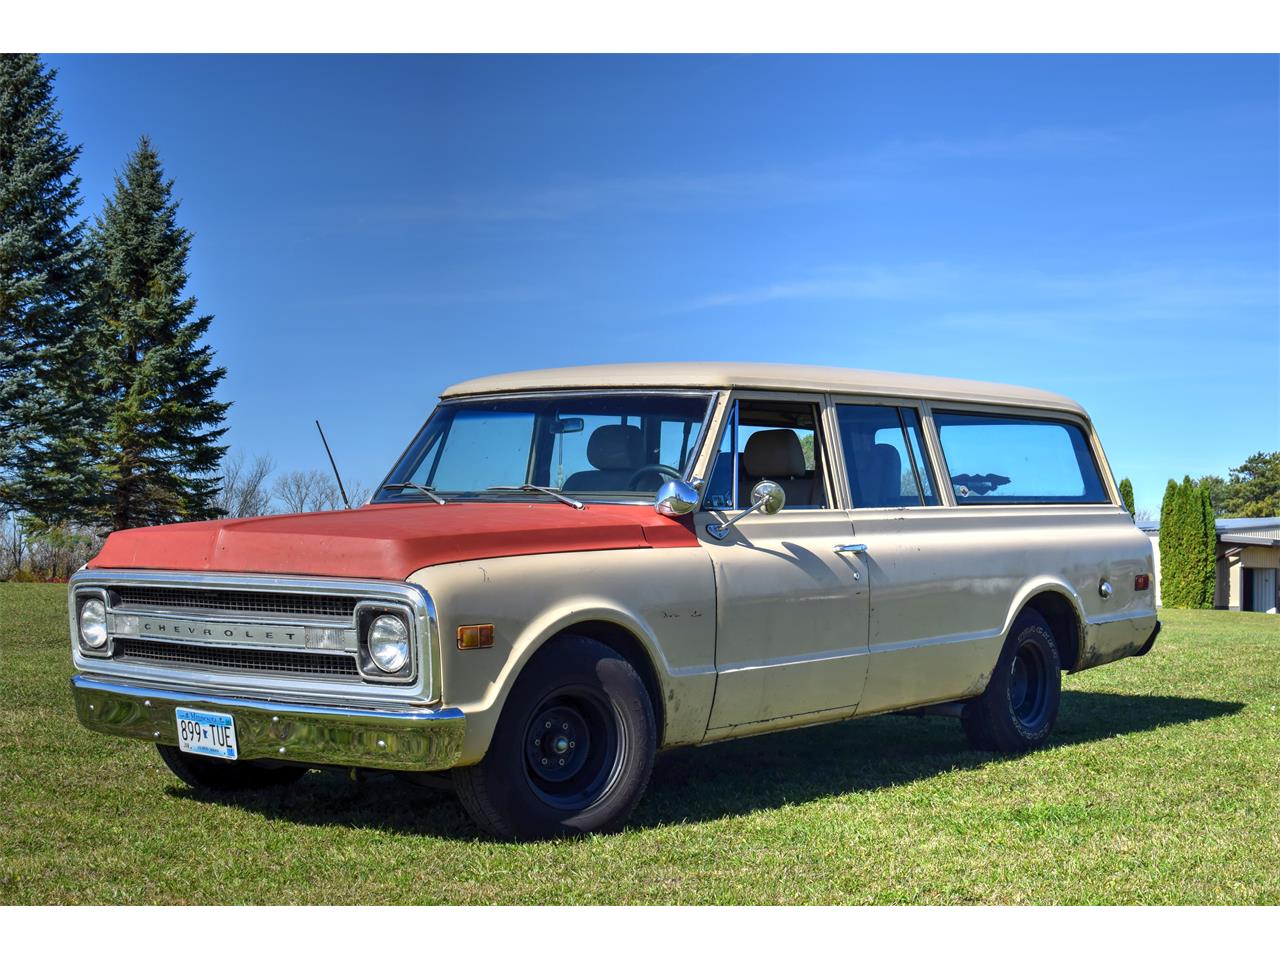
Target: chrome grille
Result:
[244, 601]
[230, 658]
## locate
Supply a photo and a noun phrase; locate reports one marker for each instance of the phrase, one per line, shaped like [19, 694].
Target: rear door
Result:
[923, 576]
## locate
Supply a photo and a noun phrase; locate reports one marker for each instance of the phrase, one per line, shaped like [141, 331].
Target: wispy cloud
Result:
[819, 180]
[429, 298]
[965, 293]
[1037, 141]
[669, 192]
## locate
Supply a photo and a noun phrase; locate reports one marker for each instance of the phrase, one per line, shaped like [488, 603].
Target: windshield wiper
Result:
[548, 491]
[429, 491]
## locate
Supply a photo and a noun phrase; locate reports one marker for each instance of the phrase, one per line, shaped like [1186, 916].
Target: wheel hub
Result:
[557, 744]
[1028, 682]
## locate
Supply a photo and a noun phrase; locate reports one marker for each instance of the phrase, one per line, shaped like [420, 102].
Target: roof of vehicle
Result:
[767, 376]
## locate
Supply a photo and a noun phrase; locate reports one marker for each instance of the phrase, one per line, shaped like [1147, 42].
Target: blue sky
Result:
[369, 230]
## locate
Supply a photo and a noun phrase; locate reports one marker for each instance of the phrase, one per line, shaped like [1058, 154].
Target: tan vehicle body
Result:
[743, 639]
[797, 617]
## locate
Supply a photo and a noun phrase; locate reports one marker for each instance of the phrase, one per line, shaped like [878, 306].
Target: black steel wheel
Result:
[573, 749]
[1020, 706]
[224, 776]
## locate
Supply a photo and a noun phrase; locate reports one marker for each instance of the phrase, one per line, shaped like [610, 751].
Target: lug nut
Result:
[562, 763]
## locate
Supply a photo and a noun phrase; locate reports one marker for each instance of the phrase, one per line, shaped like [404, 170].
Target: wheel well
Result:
[625, 643]
[1059, 613]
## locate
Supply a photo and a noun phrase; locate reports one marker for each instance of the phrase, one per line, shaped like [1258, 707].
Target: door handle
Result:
[851, 548]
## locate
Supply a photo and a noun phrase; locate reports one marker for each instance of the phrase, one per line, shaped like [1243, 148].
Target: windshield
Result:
[610, 445]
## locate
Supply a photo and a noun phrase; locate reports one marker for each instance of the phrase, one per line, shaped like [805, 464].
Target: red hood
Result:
[389, 542]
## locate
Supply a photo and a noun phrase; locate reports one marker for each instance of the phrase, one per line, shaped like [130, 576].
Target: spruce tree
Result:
[46, 409]
[1126, 495]
[160, 446]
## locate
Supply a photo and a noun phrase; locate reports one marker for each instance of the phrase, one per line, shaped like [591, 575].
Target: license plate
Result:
[208, 734]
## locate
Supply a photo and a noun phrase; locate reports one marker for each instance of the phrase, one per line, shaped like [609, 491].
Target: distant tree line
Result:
[1250, 490]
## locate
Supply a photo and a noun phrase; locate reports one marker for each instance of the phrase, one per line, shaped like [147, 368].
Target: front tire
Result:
[573, 749]
[1020, 706]
[226, 776]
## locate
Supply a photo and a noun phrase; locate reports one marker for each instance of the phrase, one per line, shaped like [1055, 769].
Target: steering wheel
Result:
[671, 473]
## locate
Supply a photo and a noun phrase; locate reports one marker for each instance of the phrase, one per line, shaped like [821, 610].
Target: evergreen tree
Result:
[1188, 546]
[1126, 495]
[159, 441]
[46, 404]
[1208, 549]
[1169, 552]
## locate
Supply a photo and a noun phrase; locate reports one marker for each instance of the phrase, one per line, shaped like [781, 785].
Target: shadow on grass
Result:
[707, 783]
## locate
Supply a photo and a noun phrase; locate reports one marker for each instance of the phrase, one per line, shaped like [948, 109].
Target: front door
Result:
[792, 609]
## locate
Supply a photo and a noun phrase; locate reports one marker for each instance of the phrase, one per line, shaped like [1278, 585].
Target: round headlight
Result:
[389, 644]
[93, 624]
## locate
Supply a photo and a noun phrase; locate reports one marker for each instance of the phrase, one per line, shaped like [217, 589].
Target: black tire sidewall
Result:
[1039, 635]
[991, 720]
[568, 662]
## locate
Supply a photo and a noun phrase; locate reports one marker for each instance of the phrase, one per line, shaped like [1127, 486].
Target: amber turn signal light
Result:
[475, 636]
[1141, 582]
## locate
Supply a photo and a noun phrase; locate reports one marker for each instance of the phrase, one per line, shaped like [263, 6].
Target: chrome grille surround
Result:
[294, 671]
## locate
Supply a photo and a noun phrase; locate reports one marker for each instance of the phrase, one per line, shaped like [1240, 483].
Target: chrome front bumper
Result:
[407, 739]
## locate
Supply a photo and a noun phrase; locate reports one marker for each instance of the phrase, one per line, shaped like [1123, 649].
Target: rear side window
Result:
[995, 459]
[883, 456]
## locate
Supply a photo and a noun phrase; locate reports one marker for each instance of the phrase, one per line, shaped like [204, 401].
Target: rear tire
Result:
[573, 749]
[226, 776]
[1018, 710]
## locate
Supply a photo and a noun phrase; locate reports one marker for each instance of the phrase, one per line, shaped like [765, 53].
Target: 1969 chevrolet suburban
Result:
[568, 570]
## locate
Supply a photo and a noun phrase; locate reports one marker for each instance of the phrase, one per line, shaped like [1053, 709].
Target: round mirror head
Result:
[769, 496]
[675, 498]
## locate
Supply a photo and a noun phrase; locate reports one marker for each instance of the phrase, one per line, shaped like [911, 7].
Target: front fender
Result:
[665, 599]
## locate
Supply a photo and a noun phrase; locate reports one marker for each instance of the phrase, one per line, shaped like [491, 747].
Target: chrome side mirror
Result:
[766, 496]
[675, 498]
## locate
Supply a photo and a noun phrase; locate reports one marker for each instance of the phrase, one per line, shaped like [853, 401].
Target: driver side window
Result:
[769, 440]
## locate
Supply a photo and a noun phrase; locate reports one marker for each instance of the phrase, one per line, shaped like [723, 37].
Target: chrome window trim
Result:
[1034, 414]
[710, 395]
[822, 443]
[425, 687]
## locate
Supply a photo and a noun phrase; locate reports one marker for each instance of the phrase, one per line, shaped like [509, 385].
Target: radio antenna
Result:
[341, 489]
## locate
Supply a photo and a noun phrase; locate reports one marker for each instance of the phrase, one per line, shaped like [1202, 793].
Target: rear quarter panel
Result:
[948, 582]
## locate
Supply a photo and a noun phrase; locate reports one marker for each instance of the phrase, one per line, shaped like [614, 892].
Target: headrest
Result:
[888, 467]
[616, 446]
[773, 453]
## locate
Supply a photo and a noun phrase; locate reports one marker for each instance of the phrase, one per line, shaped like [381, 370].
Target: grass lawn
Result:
[1161, 785]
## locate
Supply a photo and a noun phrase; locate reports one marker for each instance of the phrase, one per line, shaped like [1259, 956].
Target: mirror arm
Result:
[721, 530]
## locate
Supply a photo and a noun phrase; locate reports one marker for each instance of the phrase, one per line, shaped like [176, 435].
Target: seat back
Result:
[776, 455]
[616, 451]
